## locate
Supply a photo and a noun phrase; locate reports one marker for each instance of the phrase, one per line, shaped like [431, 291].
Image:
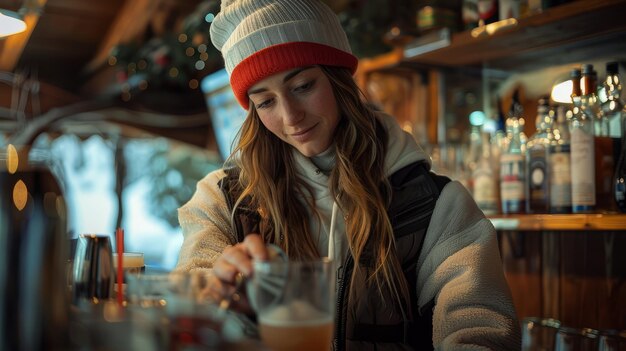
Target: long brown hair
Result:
[358, 182]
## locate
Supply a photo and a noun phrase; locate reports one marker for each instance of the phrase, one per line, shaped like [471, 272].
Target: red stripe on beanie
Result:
[281, 57]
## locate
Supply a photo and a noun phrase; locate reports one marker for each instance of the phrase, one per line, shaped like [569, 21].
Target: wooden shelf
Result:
[574, 32]
[564, 222]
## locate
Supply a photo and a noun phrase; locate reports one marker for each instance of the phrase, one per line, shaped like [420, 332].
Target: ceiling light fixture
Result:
[10, 23]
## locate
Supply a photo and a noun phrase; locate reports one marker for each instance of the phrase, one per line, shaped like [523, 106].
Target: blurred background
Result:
[133, 101]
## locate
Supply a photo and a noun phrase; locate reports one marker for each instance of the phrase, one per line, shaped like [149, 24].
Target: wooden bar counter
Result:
[569, 267]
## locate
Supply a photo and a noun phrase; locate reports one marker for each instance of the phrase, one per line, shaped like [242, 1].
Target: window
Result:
[160, 176]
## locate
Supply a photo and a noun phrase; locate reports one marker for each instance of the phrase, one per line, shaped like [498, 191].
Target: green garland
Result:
[179, 59]
[174, 60]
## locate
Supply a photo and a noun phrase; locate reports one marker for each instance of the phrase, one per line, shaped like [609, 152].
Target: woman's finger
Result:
[238, 257]
[242, 254]
[255, 247]
[224, 270]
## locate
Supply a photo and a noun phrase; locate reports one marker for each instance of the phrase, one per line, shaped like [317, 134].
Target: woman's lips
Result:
[303, 135]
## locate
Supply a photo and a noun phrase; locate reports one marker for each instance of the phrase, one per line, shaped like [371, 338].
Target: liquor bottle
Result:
[613, 108]
[484, 179]
[499, 143]
[500, 138]
[461, 173]
[619, 179]
[537, 186]
[513, 168]
[559, 165]
[582, 152]
[590, 102]
[603, 144]
[473, 155]
[517, 109]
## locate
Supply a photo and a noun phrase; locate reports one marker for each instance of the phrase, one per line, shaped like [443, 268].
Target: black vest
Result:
[415, 191]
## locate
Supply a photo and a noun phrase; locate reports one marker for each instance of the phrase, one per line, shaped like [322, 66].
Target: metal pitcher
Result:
[93, 275]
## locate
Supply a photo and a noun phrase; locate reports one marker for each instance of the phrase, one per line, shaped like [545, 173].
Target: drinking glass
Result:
[132, 262]
[295, 303]
[174, 311]
[612, 340]
[573, 339]
[538, 334]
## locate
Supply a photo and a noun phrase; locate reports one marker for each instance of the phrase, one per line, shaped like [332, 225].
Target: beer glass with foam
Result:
[295, 303]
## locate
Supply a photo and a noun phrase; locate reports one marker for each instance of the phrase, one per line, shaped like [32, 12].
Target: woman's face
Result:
[299, 107]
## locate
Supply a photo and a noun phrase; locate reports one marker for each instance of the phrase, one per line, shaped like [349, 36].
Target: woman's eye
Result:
[263, 104]
[304, 87]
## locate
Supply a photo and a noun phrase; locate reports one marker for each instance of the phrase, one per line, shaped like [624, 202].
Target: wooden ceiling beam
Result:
[11, 48]
[131, 22]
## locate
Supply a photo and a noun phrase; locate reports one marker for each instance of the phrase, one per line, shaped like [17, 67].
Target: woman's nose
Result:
[292, 111]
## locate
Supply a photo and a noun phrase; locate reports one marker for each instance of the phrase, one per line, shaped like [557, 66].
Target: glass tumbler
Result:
[575, 339]
[175, 311]
[295, 303]
[538, 334]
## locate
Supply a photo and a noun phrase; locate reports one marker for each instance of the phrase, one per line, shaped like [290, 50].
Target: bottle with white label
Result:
[513, 168]
[538, 185]
[559, 165]
[582, 153]
[484, 179]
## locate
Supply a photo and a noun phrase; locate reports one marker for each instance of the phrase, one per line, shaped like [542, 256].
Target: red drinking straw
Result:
[119, 241]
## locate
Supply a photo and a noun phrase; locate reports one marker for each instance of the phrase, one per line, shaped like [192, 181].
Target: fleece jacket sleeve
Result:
[205, 223]
[461, 269]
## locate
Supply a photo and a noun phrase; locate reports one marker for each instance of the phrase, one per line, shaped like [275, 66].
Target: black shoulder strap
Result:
[419, 332]
[415, 192]
[246, 220]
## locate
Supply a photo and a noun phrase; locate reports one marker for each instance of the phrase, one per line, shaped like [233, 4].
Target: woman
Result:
[318, 172]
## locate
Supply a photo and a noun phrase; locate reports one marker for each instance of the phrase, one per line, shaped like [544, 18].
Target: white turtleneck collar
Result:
[325, 161]
[332, 241]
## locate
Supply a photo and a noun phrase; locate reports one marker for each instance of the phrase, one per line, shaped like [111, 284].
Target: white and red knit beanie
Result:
[259, 38]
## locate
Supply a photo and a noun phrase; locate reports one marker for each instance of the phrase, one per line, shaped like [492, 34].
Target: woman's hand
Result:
[235, 262]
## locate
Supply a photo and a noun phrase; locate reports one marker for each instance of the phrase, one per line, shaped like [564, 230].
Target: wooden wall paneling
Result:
[522, 262]
[573, 293]
[575, 276]
[436, 127]
[612, 291]
[592, 280]
[550, 274]
[420, 109]
[403, 100]
[406, 94]
[391, 92]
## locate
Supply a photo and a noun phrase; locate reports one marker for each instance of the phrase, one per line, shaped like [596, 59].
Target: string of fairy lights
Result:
[173, 60]
[180, 59]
